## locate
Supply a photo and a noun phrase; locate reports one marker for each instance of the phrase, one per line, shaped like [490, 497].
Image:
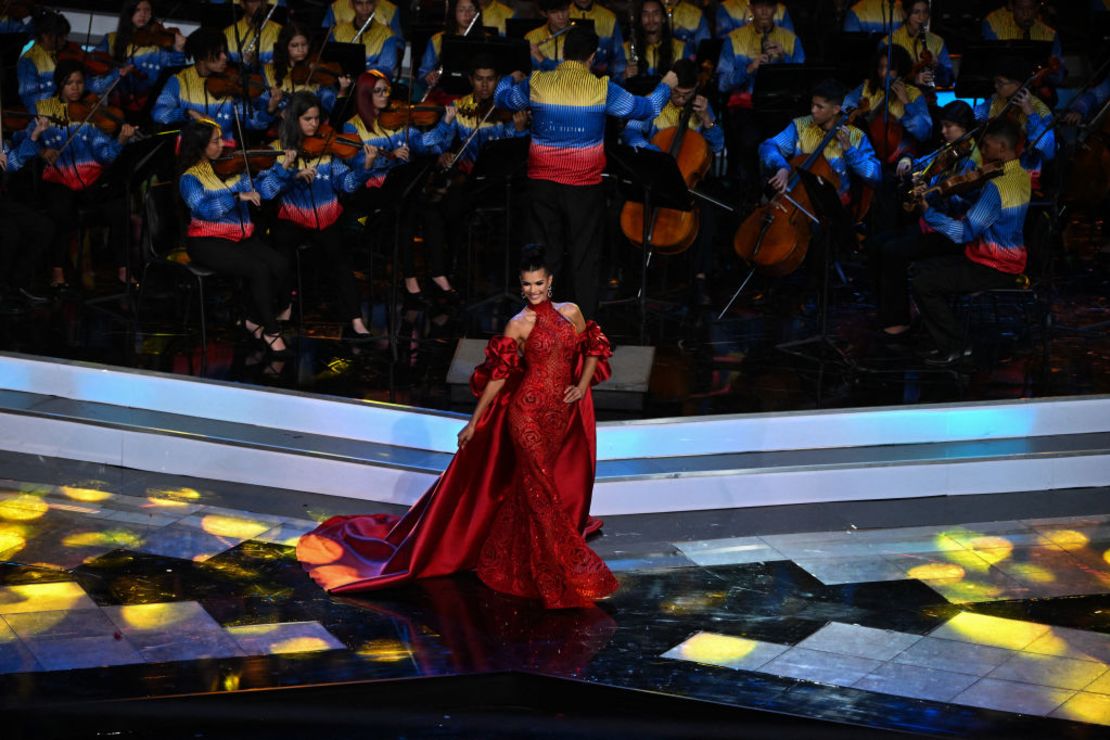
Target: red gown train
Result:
[513, 505]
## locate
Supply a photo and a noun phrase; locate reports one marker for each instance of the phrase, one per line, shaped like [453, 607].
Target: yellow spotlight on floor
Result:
[24, 508]
[1068, 539]
[714, 649]
[385, 651]
[936, 571]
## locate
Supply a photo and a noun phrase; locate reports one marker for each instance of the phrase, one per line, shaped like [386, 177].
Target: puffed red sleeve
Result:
[594, 343]
[502, 360]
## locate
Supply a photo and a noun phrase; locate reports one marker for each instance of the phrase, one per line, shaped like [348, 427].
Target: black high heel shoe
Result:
[269, 340]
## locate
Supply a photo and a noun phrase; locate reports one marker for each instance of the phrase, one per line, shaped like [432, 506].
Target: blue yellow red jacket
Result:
[742, 46]
[312, 205]
[640, 133]
[857, 163]
[245, 34]
[731, 14]
[914, 115]
[1040, 145]
[1000, 25]
[149, 60]
[993, 230]
[465, 123]
[214, 204]
[1091, 101]
[383, 47]
[943, 72]
[385, 13]
[569, 106]
[495, 14]
[872, 16]
[610, 48]
[85, 158]
[185, 91]
[689, 24]
[420, 143]
[326, 94]
[35, 71]
[649, 58]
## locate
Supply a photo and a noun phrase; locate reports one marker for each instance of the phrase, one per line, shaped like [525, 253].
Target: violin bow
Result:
[99, 102]
[243, 147]
[462, 149]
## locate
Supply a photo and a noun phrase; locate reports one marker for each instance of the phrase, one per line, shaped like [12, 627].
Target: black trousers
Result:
[569, 220]
[24, 236]
[287, 236]
[890, 264]
[934, 280]
[62, 205]
[445, 222]
[264, 269]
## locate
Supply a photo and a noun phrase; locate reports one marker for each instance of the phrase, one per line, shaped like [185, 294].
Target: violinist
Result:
[76, 155]
[251, 39]
[871, 16]
[1032, 116]
[992, 234]
[915, 37]
[35, 69]
[567, 154]
[445, 216]
[1087, 105]
[461, 15]
[307, 189]
[220, 234]
[293, 61]
[731, 14]
[893, 252]
[610, 50]
[744, 51]
[341, 11]
[1018, 21]
[849, 154]
[547, 48]
[656, 47]
[639, 134]
[136, 17]
[372, 96]
[384, 47]
[186, 95]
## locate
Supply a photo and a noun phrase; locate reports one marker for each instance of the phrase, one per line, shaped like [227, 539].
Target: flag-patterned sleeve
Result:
[105, 148]
[944, 74]
[985, 211]
[917, 119]
[208, 205]
[863, 162]
[168, 108]
[32, 86]
[637, 134]
[274, 181]
[623, 104]
[775, 153]
[512, 95]
[732, 68]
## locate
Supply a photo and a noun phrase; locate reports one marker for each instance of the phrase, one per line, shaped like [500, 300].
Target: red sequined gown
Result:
[513, 505]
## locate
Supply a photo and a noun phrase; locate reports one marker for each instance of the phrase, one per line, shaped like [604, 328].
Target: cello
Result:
[774, 238]
[673, 231]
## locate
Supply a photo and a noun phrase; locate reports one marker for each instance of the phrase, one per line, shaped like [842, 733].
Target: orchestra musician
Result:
[656, 48]
[639, 134]
[221, 235]
[76, 154]
[687, 22]
[610, 51]
[396, 146]
[893, 253]
[290, 52]
[149, 60]
[993, 240]
[744, 51]
[307, 189]
[445, 216]
[547, 47]
[915, 37]
[186, 95]
[11, 24]
[732, 14]
[567, 156]
[343, 11]
[35, 69]
[460, 15]
[251, 39]
[1030, 114]
[384, 47]
[495, 13]
[1018, 21]
[871, 16]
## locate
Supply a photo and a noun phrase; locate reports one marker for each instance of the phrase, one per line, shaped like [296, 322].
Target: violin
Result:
[235, 161]
[16, 120]
[400, 114]
[155, 34]
[322, 73]
[230, 84]
[501, 115]
[96, 63]
[329, 141]
[105, 117]
[965, 183]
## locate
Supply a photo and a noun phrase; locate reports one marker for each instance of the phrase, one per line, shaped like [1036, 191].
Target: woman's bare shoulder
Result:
[572, 312]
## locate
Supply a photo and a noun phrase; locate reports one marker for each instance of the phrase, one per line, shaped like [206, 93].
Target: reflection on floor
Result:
[704, 364]
[162, 586]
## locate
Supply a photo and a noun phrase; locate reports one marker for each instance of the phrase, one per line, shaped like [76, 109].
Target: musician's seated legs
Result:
[891, 260]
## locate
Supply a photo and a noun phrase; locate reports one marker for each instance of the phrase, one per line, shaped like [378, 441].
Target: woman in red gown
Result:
[513, 505]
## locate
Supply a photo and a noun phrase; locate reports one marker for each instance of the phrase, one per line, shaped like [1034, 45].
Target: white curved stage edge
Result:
[629, 488]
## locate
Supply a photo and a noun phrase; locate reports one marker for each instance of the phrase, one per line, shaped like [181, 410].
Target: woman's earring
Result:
[549, 292]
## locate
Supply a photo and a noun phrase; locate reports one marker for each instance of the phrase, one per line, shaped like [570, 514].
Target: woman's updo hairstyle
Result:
[532, 258]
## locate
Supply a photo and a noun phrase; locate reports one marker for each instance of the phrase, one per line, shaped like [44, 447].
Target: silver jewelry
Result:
[549, 292]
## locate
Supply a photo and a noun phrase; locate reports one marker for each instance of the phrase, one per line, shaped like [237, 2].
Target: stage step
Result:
[171, 424]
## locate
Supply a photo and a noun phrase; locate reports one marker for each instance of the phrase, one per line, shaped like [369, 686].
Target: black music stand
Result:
[350, 57]
[829, 213]
[457, 52]
[651, 178]
[853, 56]
[976, 78]
[502, 159]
